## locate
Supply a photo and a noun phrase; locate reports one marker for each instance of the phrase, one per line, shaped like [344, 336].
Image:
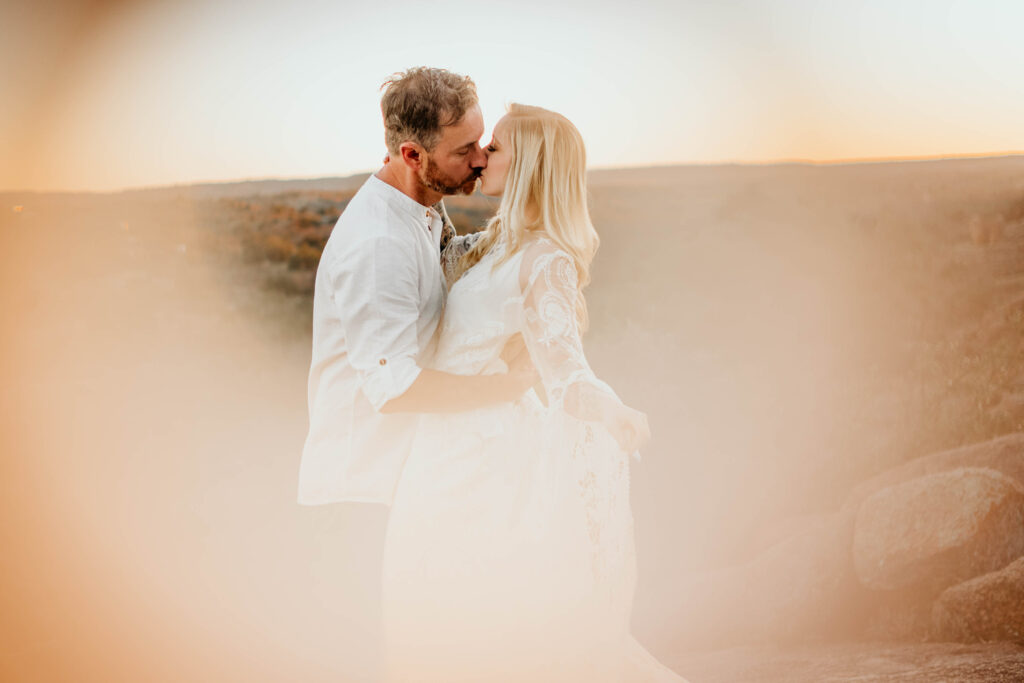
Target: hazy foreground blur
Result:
[790, 330]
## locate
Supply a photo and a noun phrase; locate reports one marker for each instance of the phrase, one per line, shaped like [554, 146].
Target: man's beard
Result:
[435, 179]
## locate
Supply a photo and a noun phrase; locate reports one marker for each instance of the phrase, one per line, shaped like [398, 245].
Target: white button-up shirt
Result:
[377, 301]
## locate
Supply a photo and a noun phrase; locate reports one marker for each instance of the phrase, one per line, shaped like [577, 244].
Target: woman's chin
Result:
[489, 191]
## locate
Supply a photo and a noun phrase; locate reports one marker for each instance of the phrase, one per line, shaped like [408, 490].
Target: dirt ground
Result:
[150, 450]
[860, 662]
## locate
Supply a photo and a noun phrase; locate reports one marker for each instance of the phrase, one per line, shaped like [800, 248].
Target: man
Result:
[377, 300]
[379, 294]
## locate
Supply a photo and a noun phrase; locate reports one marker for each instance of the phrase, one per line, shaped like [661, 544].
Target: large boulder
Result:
[938, 530]
[801, 587]
[1004, 454]
[988, 607]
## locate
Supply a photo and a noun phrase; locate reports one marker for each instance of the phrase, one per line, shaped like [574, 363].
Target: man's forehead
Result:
[467, 131]
[466, 139]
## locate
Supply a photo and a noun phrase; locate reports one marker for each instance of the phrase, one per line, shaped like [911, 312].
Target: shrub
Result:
[305, 257]
[277, 248]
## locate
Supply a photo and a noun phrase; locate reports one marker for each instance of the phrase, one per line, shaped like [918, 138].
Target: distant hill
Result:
[249, 188]
[646, 176]
[225, 190]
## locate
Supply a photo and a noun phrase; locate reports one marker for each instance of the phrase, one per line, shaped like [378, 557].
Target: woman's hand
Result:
[628, 427]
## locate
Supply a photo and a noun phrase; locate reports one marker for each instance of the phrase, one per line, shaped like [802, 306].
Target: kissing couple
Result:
[448, 381]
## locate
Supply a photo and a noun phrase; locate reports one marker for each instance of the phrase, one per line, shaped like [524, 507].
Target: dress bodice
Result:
[483, 311]
[535, 291]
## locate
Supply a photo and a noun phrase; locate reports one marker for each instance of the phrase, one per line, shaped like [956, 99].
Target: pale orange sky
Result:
[106, 95]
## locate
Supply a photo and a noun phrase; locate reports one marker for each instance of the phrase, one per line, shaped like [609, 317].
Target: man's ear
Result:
[412, 155]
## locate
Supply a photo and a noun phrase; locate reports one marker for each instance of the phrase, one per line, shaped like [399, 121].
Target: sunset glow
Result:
[107, 95]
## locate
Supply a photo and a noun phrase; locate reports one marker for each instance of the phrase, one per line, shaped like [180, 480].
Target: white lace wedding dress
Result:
[509, 552]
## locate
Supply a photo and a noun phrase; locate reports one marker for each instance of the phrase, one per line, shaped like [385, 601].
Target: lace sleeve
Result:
[453, 245]
[552, 335]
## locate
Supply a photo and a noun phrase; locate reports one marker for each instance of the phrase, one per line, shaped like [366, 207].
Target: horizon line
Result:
[728, 162]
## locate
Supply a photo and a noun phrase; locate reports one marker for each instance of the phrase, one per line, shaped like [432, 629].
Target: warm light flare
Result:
[795, 308]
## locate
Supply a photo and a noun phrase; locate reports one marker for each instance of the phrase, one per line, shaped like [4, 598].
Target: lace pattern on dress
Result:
[576, 397]
[552, 334]
[603, 484]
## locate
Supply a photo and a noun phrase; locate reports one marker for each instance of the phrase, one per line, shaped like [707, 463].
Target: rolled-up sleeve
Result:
[375, 287]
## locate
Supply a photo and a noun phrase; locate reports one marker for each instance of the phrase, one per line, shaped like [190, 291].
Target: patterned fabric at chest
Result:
[485, 297]
[484, 308]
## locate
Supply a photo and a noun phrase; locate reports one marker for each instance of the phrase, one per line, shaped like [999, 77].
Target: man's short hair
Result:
[419, 102]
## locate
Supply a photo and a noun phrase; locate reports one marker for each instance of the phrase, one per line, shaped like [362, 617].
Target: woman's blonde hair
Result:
[545, 190]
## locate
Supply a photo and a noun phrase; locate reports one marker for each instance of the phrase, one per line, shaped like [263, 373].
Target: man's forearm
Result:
[434, 391]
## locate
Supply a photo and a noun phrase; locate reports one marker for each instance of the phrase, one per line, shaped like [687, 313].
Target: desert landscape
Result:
[831, 356]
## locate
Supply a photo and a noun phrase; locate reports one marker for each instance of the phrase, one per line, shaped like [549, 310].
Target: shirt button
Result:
[383, 361]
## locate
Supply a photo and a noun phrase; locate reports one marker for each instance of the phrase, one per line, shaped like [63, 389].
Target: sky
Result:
[109, 94]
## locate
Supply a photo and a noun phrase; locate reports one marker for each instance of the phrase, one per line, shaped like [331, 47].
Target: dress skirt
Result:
[509, 551]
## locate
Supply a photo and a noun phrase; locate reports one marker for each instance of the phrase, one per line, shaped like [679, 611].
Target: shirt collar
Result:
[402, 202]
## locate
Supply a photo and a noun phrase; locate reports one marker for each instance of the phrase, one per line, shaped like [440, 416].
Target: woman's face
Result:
[499, 157]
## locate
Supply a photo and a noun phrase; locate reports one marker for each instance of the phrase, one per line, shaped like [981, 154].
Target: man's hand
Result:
[521, 372]
[514, 349]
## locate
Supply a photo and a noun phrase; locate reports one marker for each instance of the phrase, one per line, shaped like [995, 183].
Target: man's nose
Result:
[480, 158]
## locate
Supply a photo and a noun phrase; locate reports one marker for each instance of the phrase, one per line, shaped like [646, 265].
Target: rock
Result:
[802, 587]
[986, 608]
[1004, 454]
[937, 530]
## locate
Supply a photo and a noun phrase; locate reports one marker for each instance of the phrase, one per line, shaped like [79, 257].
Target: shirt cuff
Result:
[389, 379]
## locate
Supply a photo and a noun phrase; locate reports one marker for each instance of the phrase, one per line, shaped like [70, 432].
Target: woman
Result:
[509, 550]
